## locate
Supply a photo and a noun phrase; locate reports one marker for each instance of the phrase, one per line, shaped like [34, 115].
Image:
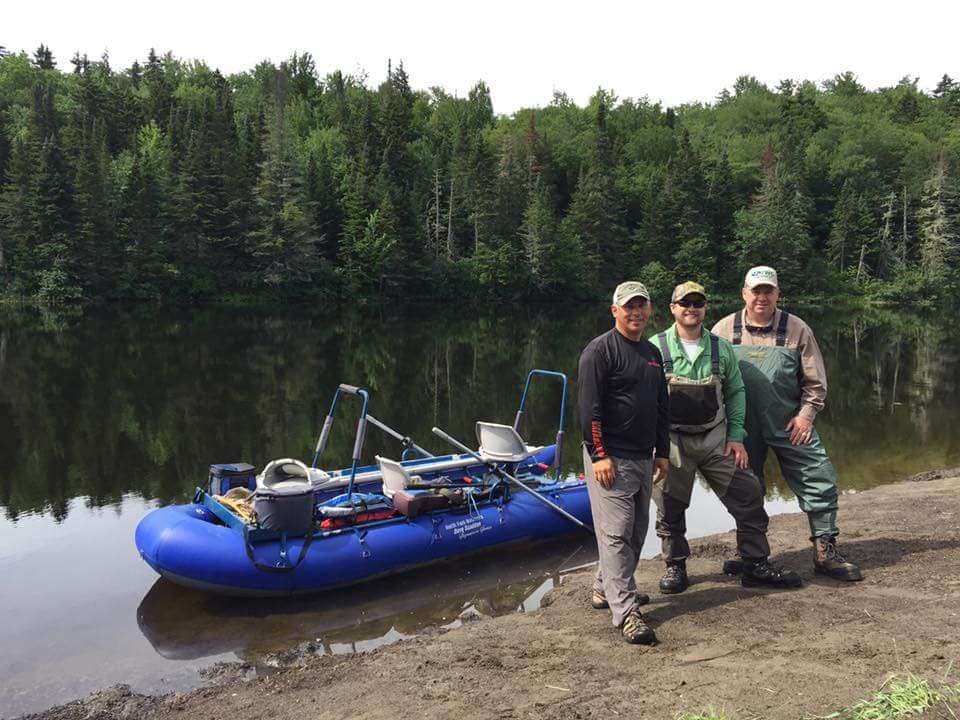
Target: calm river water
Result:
[105, 416]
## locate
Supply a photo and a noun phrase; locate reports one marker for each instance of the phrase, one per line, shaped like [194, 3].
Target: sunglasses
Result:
[686, 302]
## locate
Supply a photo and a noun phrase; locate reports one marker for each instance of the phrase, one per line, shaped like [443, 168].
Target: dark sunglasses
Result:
[686, 302]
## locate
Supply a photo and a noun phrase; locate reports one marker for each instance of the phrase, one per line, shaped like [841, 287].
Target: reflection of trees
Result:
[127, 403]
[892, 394]
[119, 403]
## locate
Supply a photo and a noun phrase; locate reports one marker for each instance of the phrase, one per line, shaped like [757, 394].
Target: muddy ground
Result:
[754, 653]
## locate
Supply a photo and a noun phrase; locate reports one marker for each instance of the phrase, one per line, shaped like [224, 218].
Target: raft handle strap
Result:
[286, 567]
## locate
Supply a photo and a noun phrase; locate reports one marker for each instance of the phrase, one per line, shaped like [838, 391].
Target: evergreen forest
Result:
[169, 181]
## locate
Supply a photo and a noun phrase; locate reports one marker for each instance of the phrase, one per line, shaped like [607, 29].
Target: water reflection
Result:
[183, 624]
[125, 403]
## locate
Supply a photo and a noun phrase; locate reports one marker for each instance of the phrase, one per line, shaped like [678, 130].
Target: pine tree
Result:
[280, 243]
[596, 214]
[38, 211]
[43, 58]
[939, 223]
[773, 229]
[852, 246]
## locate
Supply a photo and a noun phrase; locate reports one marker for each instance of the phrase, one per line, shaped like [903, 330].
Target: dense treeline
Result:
[169, 180]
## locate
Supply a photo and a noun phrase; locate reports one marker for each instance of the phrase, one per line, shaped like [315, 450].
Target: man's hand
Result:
[740, 457]
[801, 430]
[604, 473]
[661, 468]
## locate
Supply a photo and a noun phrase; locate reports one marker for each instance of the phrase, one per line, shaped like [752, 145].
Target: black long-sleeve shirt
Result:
[623, 398]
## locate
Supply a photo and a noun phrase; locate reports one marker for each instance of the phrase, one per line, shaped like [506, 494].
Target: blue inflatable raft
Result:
[500, 494]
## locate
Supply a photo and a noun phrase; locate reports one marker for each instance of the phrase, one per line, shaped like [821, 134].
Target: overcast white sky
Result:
[672, 52]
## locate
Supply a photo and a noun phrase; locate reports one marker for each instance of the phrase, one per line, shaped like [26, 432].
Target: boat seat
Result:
[395, 476]
[502, 444]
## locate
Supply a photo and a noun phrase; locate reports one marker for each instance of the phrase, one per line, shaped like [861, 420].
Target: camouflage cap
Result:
[626, 291]
[688, 288]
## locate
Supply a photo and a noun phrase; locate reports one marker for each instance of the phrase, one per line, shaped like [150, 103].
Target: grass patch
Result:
[900, 695]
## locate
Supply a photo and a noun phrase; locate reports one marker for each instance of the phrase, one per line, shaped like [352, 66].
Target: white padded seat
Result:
[502, 444]
[395, 476]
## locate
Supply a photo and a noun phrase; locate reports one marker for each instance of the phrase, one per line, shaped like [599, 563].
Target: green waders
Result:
[698, 437]
[772, 375]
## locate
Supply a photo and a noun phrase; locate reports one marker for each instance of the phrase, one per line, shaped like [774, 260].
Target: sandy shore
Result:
[755, 653]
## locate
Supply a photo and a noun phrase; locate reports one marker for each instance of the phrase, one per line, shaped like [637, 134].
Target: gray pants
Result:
[621, 514]
[739, 490]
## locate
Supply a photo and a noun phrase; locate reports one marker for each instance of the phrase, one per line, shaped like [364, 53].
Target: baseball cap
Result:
[688, 288]
[760, 275]
[626, 291]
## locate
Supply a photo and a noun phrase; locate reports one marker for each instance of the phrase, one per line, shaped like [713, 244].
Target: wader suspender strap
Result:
[737, 328]
[668, 358]
[782, 328]
[665, 352]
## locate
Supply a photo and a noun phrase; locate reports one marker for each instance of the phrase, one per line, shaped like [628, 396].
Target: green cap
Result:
[626, 291]
[688, 288]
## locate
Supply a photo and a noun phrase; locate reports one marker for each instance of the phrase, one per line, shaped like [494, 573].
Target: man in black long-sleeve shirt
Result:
[624, 413]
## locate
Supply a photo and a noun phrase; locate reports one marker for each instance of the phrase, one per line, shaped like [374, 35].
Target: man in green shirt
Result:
[707, 407]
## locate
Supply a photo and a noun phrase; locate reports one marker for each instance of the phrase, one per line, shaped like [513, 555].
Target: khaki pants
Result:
[739, 490]
[621, 515]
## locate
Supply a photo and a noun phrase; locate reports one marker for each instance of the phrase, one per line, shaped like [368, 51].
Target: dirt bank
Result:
[757, 654]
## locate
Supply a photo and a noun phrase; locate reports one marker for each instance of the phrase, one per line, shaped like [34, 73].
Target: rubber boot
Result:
[828, 561]
[733, 566]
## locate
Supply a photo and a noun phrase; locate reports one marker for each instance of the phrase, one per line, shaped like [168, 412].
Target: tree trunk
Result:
[450, 223]
[449, 359]
[896, 377]
[436, 206]
[860, 264]
[903, 238]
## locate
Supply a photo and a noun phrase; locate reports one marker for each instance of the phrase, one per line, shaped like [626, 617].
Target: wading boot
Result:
[635, 629]
[598, 601]
[733, 566]
[674, 580]
[761, 573]
[828, 561]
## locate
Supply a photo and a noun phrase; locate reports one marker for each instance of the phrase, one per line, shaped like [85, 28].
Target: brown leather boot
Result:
[828, 561]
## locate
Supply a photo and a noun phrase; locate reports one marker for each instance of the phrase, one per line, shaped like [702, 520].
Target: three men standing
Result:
[706, 434]
[756, 382]
[786, 386]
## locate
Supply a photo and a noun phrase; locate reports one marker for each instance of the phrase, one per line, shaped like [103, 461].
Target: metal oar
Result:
[404, 439]
[503, 473]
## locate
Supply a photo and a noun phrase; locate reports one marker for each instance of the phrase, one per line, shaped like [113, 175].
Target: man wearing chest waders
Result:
[623, 402]
[786, 387]
[706, 434]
